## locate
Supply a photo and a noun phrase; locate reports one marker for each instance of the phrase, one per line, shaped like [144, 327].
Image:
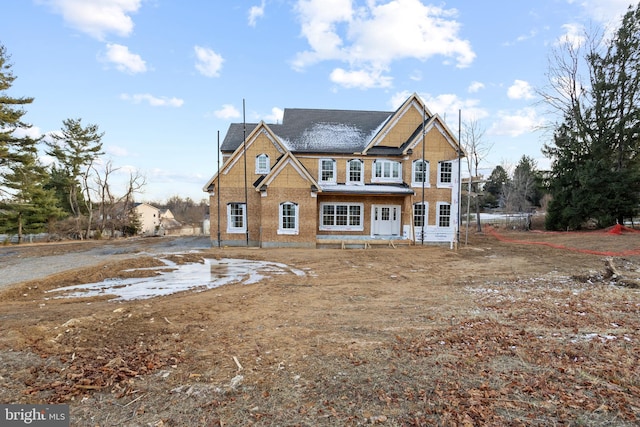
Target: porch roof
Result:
[368, 189]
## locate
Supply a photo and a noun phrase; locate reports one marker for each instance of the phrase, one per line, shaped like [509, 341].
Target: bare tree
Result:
[136, 182]
[106, 199]
[477, 149]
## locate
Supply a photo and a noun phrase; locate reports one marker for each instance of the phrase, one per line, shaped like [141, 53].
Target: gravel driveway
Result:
[31, 262]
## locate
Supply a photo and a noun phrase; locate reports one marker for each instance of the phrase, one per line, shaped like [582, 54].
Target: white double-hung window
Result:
[355, 169]
[387, 171]
[445, 174]
[288, 218]
[443, 215]
[236, 218]
[327, 171]
[420, 214]
[262, 164]
[420, 173]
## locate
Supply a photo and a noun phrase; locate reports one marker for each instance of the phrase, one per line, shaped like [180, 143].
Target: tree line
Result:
[594, 179]
[594, 87]
[594, 148]
[71, 197]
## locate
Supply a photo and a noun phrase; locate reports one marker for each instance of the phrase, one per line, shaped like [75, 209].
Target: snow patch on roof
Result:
[335, 136]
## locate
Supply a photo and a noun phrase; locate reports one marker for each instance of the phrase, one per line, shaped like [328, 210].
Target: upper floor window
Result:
[327, 171]
[420, 173]
[288, 218]
[386, 171]
[354, 171]
[445, 173]
[262, 164]
[236, 218]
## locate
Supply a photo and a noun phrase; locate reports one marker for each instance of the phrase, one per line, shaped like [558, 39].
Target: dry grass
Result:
[493, 334]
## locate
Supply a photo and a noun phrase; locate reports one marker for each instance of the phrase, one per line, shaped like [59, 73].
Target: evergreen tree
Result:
[25, 205]
[15, 149]
[32, 207]
[494, 187]
[596, 150]
[75, 150]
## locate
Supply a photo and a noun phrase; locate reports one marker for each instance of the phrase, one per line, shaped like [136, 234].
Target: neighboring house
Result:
[333, 176]
[154, 221]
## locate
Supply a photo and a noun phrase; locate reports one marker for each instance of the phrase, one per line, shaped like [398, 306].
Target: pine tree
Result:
[15, 149]
[596, 150]
[494, 187]
[32, 207]
[75, 150]
[25, 205]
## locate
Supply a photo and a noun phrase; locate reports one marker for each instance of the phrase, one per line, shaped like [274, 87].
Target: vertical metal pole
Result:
[218, 189]
[459, 172]
[424, 178]
[246, 193]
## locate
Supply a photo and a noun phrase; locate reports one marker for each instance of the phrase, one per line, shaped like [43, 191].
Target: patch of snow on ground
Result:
[194, 276]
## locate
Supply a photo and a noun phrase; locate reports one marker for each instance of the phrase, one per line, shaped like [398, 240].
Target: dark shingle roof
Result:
[317, 131]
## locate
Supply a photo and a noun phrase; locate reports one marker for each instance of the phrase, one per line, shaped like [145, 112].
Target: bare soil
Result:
[532, 329]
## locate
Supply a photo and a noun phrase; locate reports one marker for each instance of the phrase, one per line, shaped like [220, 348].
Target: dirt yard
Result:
[500, 332]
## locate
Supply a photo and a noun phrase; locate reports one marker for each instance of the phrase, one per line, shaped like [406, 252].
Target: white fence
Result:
[516, 221]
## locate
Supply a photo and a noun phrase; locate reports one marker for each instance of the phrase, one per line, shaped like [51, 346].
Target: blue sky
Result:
[161, 77]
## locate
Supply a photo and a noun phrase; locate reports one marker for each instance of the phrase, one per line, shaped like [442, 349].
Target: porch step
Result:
[365, 243]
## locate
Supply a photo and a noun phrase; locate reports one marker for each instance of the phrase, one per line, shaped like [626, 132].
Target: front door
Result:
[385, 220]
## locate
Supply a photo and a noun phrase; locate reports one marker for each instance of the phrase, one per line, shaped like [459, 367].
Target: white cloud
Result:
[574, 35]
[124, 60]
[446, 106]
[360, 79]
[208, 62]
[32, 132]
[117, 151]
[97, 18]
[520, 89]
[475, 87]
[256, 12]
[416, 75]
[523, 121]
[276, 115]
[227, 112]
[608, 12]
[522, 38]
[369, 38]
[152, 100]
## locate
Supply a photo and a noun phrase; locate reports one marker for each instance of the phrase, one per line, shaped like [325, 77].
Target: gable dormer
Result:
[261, 145]
[399, 128]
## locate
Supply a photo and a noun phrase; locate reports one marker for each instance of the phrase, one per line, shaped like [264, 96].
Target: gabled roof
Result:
[413, 101]
[287, 159]
[331, 131]
[317, 131]
[237, 153]
[441, 126]
[321, 131]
